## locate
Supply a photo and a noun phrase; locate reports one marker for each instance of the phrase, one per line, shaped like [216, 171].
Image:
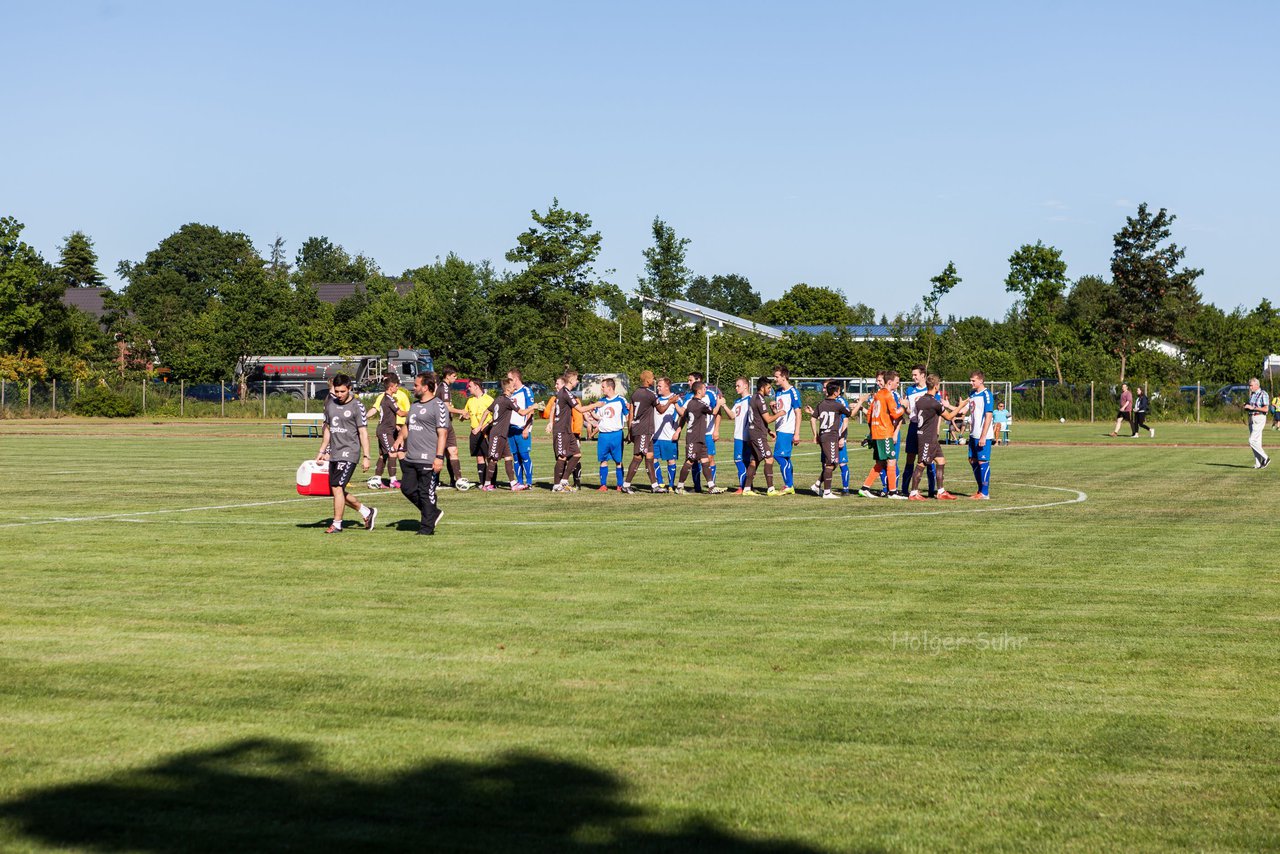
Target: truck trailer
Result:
[307, 377]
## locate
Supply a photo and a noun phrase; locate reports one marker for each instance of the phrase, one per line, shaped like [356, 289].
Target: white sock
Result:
[365, 511]
[337, 524]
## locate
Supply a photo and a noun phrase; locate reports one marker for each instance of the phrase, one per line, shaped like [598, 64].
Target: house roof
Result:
[869, 332]
[89, 300]
[335, 292]
[695, 313]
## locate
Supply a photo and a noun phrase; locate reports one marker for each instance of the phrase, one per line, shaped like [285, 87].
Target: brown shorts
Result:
[498, 447]
[759, 448]
[643, 442]
[929, 452]
[567, 445]
[830, 450]
[695, 448]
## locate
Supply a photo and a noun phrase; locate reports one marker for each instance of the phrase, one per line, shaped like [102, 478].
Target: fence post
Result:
[54, 397]
[1090, 401]
[264, 398]
[2, 385]
[77, 388]
[1041, 400]
[144, 397]
[1197, 401]
[182, 398]
[222, 396]
[28, 397]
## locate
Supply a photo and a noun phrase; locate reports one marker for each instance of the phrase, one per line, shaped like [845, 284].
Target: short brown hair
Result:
[782, 369]
[978, 374]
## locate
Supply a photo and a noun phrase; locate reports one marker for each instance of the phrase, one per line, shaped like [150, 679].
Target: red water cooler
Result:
[313, 478]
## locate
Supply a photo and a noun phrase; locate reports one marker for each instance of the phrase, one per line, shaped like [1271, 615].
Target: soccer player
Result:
[981, 433]
[713, 426]
[520, 440]
[787, 403]
[644, 405]
[477, 407]
[612, 414]
[919, 386]
[829, 422]
[391, 406]
[760, 415]
[738, 414]
[696, 414]
[929, 408]
[577, 420]
[444, 394]
[345, 429]
[565, 440]
[503, 410]
[421, 445]
[885, 416]
[664, 433]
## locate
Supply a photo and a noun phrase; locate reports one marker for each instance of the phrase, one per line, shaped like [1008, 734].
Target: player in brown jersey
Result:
[929, 412]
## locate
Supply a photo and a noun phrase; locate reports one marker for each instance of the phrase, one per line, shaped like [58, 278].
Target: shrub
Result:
[102, 402]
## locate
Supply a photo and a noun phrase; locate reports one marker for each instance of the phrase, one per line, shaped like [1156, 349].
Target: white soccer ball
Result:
[374, 483]
[1062, 421]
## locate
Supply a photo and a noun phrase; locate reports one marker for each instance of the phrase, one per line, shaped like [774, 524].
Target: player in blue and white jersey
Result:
[664, 432]
[738, 414]
[713, 425]
[981, 433]
[786, 402]
[520, 442]
[612, 413]
[919, 386]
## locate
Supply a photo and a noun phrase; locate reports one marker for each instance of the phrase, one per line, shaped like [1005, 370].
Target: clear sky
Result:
[853, 145]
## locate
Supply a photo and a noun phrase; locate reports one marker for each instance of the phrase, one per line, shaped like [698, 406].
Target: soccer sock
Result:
[876, 473]
[884, 476]
[742, 470]
[577, 471]
[749, 476]
[785, 469]
[631, 469]
[337, 524]
[684, 472]
[915, 477]
[365, 511]
[618, 475]
[511, 472]
[984, 477]
[528, 469]
[844, 476]
[490, 472]
[455, 471]
[382, 465]
[827, 471]
[671, 472]
[713, 472]
[697, 476]
[707, 476]
[933, 478]
[937, 467]
[768, 473]
[891, 475]
[604, 474]
[559, 473]
[652, 470]
[480, 472]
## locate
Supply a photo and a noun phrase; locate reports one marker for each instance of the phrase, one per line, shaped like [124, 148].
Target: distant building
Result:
[335, 292]
[88, 300]
[693, 314]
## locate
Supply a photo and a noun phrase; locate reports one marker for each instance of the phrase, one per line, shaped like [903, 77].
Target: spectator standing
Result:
[1256, 414]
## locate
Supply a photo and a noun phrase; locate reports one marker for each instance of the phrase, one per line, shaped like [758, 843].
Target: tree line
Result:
[204, 297]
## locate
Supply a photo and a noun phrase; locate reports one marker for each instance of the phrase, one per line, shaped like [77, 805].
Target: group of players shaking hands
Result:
[766, 430]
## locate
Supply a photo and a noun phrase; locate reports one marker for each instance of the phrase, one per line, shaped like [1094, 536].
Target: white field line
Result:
[135, 517]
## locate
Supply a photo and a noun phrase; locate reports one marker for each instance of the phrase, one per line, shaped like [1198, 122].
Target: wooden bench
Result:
[296, 422]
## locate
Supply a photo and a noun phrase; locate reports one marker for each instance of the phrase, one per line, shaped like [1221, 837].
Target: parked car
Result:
[1033, 385]
[1233, 394]
[1189, 392]
[212, 392]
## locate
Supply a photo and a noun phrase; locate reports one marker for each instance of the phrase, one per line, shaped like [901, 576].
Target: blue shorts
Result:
[980, 451]
[913, 440]
[897, 444]
[711, 446]
[782, 445]
[609, 446]
[518, 443]
[665, 449]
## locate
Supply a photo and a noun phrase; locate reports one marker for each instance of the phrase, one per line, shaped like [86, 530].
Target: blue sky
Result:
[857, 146]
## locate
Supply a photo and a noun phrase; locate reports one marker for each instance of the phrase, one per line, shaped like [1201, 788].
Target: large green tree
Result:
[665, 276]
[807, 305]
[30, 293]
[1154, 297]
[78, 263]
[322, 260]
[1038, 275]
[940, 285]
[729, 293]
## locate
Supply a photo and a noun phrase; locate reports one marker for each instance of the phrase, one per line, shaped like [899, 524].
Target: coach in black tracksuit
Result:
[1141, 405]
[422, 441]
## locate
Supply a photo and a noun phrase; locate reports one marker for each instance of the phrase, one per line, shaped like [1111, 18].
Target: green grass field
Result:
[1099, 670]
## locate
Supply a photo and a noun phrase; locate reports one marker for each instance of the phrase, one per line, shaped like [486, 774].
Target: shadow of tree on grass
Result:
[273, 795]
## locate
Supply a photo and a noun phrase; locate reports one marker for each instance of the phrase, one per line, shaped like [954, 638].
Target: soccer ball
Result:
[1062, 421]
[374, 483]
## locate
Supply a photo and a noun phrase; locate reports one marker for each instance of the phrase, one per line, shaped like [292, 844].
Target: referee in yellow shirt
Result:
[478, 406]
